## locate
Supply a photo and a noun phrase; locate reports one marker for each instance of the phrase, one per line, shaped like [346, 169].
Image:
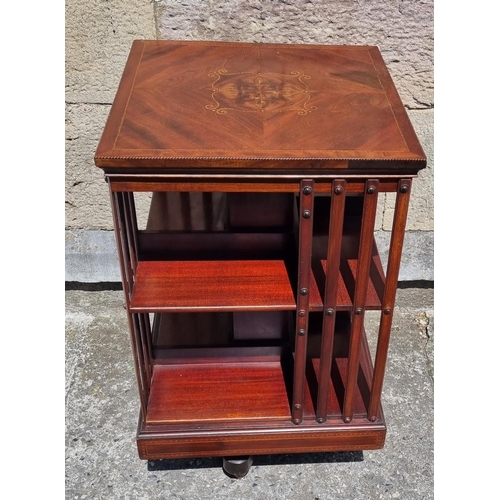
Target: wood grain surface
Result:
[187, 105]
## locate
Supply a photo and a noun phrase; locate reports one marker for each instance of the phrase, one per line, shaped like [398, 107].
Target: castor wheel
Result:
[237, 467]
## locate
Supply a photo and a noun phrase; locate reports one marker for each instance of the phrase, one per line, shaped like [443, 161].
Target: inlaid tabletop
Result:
[245, 107]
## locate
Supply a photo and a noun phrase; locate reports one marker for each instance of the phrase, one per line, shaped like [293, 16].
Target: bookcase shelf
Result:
[180, 286]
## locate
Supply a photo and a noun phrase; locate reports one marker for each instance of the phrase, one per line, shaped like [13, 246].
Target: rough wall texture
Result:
[98, 38]
[402, 29]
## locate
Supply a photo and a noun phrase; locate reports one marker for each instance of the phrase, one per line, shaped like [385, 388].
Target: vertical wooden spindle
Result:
[362, 278]
[124, 234]
[331, 290]
[388, 301]
[121, 244]
[303, 294]
[143, 333]
[133, 225]
[143, 375]
[130, 232]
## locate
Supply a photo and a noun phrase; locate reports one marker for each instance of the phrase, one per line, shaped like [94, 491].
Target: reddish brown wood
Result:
[183, 329]
[362, 278]
[258, 441]
[306, 217]
[213, 245]
[395, 251]
[142, 355]
[337, 379]
[122, 242]
[132, 225]
[241, 183]
[127, 263]
[118, 224]
[143, 382]
[145, 341]
[332, 272]
[219, 355]
[265, 325]
[226, 136]
[298, 106]
[181, 286]
[217, 392]
[347, 284]
[206, 211]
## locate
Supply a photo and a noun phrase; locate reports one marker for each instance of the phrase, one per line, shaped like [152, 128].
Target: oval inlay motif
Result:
[260, 92]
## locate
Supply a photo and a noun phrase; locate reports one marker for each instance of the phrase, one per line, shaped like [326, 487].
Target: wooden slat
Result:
[142, 356]
[332, 272]
[395, 251]
[145, 341]
[362, 279]
[182, 286]
[121, 232]
[284, 184]
[127, 280]
[143, 382]
[336, 385]
[132, 217]
[306, 217]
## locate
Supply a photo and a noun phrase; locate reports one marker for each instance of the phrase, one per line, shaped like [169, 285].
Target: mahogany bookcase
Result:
[246, 290]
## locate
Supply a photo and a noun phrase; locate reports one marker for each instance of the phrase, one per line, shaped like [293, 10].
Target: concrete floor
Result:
[102, 411]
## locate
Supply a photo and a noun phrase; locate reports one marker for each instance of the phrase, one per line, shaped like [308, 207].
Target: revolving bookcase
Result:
[246, 289]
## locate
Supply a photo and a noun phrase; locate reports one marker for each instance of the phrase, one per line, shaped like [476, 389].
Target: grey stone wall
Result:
[402, 29]
[98, 38]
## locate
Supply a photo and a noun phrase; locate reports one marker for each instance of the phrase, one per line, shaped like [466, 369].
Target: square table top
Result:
[184, 106]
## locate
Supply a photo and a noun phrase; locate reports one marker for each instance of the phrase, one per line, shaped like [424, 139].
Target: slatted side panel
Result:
[125, 223]
[126, 249]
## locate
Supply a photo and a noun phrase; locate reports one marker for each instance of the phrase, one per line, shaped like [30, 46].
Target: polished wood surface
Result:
[247, 288]
[178, 286]
[218, 392]
[213, 105]
[258, 441]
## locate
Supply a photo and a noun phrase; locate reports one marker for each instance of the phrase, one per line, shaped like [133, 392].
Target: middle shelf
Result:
[246, 270]
[178, 286]
[240, 285]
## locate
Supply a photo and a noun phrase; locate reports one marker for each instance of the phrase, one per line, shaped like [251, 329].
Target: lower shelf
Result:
[208, 392]
[228, 401]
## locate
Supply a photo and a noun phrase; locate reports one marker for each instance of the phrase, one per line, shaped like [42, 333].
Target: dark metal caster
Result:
[237, 467]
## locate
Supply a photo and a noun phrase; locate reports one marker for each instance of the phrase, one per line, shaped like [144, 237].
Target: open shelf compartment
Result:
[218, 392]
[246, 285]
[233, 401]
[177, 286]
[211, 385]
